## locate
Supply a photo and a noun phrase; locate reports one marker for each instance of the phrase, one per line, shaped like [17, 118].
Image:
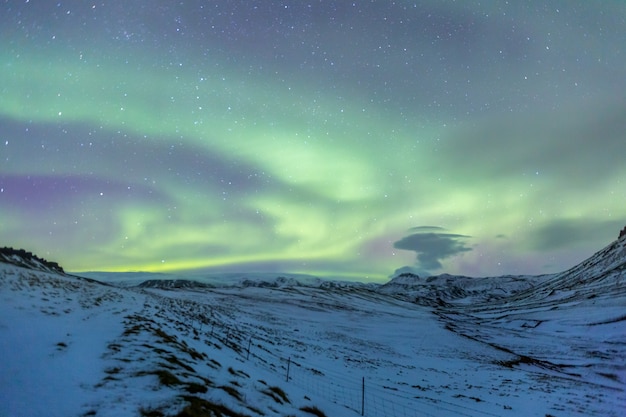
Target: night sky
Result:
[337, 138]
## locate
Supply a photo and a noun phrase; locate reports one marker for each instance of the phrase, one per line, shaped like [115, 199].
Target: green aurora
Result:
[130, 146]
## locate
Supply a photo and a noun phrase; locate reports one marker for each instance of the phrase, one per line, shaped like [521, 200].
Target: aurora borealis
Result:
[345, 139]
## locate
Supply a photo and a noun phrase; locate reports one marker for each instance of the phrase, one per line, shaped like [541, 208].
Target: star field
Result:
[345, 139]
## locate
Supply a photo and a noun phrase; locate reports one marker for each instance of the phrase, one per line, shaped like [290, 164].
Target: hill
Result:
[25, 259]
[281, 346]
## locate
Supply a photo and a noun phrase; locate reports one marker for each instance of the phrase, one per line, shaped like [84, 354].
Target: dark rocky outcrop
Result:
[23, 258]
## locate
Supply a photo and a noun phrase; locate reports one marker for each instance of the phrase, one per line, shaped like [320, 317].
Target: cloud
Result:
[568, 233]
[432, 246]
[420, 229]
[582, 145]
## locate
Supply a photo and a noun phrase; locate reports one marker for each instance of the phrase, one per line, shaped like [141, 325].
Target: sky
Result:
[335, 138]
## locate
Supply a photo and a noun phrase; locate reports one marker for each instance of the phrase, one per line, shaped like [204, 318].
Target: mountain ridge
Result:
[598, 269]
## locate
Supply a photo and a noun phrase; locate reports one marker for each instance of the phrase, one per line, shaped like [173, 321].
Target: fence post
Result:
[249, 344]
[363, 397]
[288, 364]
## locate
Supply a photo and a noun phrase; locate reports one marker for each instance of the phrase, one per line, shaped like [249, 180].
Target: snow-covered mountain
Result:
[284, 345]
[572, 323]
[441, 289]
[261, 280]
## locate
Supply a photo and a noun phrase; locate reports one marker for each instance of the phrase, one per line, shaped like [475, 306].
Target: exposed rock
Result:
[25, 259]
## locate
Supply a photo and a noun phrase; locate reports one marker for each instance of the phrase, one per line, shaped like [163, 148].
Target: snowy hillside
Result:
[26, 259]
[283, 346]
[572, 324]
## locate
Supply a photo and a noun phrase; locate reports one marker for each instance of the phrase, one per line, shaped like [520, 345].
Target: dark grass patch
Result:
[165, 337]
[231, 391]
[237, 373]
[206, 381]
[609, 376]
[518, 361]
[165, 377]
[194, 353]
[255, 410]
[527, 360]
[272, 396]
[313, 410]
[277, 395]
[113, 370]
[167, 366]
[157, 350]
[478, 400]
[316, 372]
[144, 412]
[214, 364]
[278, 391]
[136, 329]
[199, 407]
[175, 361]
[114, 346]
[195, 388]
[171, 340]
[214, 345]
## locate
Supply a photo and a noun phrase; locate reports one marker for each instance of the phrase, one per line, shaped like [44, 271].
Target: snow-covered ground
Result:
[509, 346]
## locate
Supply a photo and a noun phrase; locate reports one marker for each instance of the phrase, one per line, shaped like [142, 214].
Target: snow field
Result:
[74, 347]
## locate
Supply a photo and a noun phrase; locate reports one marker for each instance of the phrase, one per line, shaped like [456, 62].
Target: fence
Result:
[361, 395]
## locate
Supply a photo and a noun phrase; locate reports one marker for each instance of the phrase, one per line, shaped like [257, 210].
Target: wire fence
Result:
[362, 395]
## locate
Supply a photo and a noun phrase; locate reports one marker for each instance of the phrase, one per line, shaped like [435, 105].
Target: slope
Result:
[570, 325]
[70, 346]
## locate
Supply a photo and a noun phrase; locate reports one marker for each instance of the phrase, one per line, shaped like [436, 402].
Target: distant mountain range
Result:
[598, 276]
